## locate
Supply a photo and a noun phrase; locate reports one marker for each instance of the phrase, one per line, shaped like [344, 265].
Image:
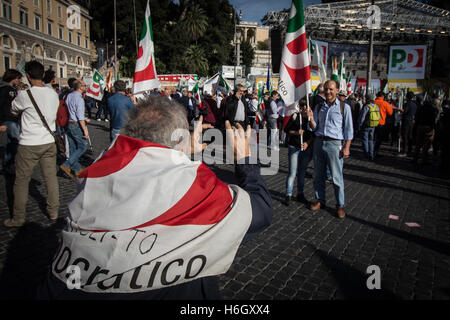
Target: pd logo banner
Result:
[407, 62]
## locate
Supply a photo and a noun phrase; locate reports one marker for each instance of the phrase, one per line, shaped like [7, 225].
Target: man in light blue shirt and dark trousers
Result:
[77, 133]
[333, 128]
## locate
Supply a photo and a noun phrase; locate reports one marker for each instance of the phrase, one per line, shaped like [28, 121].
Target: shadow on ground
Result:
[28, 260]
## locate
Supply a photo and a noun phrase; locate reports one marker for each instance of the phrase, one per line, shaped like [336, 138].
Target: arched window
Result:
[61, 65]
[61, 56]
[6, 42]
[37, 51]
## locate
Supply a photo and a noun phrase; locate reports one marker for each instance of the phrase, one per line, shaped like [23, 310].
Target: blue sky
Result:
[254, 10]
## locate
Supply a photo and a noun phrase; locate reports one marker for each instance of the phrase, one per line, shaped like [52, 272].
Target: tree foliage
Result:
[248, 53]
[205, 24]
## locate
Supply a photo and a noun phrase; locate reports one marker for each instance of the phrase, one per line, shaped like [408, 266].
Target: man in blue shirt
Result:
[77, 133]
[118, 104]
[332, 123]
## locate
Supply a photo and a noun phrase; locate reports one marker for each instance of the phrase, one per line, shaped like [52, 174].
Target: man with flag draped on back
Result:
[149, 223]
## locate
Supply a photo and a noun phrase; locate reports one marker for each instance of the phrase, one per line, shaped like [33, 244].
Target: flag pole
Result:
[135, 27]
[301, 122]
[115, 41]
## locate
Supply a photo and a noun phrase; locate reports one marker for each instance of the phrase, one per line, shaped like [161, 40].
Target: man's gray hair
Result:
[239, 86]
[155, 120]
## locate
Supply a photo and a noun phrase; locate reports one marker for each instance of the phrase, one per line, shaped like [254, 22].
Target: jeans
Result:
[380, 136]
[13, 132]
[102, 108]
[327, 153]
[298, 163]
[77, 146]
[272, 126]
[90, 103]
[367, 136]
[407, 136]
[113, 133]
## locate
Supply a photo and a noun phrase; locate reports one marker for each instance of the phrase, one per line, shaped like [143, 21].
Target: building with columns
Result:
[254, 33]
[49, 31]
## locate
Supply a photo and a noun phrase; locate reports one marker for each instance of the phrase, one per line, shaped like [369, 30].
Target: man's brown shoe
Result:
[316, 206]
[11, 223]
[341, 212]
[78, 173]
[66, 170]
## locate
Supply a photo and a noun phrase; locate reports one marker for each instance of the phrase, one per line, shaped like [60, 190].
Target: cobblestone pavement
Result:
[302, 255]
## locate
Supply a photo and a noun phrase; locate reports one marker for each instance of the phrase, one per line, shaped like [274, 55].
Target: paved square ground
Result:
[302, 255]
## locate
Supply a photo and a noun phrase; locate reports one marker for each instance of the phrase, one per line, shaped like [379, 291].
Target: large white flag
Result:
[208, 86]
[145, 77]
[142, 237]
[342, 77]
[322, 69]
[295, 75]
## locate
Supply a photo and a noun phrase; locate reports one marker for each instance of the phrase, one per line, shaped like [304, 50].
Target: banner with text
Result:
[407, 62]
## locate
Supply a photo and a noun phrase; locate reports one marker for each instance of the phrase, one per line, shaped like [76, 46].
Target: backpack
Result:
[374, 116]
[62, 116]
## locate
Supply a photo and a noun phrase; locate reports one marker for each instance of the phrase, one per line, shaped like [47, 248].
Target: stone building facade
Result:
[54, 32]
[255, 33]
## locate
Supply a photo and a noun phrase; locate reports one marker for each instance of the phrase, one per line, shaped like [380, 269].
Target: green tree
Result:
[248, 53]
[195, 22]
[195, 60]
[262, 45]
[212, 31]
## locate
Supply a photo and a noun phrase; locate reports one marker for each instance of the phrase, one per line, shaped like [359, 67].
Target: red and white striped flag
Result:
[147, 217]
[295, 75]
[145, 77]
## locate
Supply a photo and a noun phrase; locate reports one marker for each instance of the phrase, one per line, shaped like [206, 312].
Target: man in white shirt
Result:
[36, 144]
[272, 117]
[219, 98]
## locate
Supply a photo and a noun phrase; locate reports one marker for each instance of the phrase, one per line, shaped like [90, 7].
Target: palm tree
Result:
[195, 22]
[195, 60]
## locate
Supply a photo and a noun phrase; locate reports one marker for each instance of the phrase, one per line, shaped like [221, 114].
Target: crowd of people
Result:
[318, 128]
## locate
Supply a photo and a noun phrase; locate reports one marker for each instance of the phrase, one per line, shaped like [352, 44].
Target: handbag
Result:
[59, 140]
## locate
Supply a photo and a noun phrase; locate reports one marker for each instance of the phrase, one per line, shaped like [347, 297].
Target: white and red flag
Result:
[95, 90]
[295, 75]
[145, 77]
[147, 217]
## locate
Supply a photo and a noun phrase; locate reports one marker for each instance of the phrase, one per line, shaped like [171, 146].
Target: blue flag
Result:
[268, 86]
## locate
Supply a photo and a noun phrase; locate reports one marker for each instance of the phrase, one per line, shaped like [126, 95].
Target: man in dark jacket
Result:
[319, 99]
[426, 124]
[8, 122]
[408, 114]
[189, 103]
[236, 107]
[170, 226]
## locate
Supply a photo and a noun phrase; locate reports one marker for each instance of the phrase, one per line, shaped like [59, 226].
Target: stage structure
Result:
[400, 22]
